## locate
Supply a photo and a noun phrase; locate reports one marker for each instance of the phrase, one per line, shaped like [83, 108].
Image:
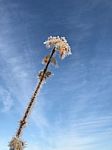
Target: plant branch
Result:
[26, 114]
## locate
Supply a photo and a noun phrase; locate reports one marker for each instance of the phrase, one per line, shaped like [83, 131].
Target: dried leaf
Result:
[53, 61]
[46, 75]
[46, 59]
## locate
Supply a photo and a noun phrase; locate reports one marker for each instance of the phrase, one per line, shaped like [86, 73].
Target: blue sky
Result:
[73, 111]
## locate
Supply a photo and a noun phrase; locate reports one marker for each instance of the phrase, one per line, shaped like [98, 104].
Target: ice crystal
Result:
[59, 43]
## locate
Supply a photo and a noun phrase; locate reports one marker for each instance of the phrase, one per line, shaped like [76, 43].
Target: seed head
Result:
[60, 44]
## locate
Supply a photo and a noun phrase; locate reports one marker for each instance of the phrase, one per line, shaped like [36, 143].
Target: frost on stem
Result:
[16, 144]
[60, 43]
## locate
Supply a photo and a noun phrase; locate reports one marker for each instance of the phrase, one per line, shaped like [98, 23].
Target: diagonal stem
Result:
[26, 114]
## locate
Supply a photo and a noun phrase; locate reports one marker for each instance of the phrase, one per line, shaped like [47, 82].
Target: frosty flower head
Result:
[59, 43]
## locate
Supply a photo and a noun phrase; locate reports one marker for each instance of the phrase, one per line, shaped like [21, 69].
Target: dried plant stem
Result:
[26, 114]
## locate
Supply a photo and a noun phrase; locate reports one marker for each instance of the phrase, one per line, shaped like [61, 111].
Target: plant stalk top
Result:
[60, 44]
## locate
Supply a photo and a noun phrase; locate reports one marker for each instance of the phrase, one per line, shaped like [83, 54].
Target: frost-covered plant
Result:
[58, 44]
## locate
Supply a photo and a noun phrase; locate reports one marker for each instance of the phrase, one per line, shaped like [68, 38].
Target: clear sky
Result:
[74, 109]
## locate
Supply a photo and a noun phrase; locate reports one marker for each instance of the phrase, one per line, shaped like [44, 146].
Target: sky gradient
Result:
[74, 108]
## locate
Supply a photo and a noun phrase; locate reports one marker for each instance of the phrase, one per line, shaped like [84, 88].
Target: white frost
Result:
[60, 43]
